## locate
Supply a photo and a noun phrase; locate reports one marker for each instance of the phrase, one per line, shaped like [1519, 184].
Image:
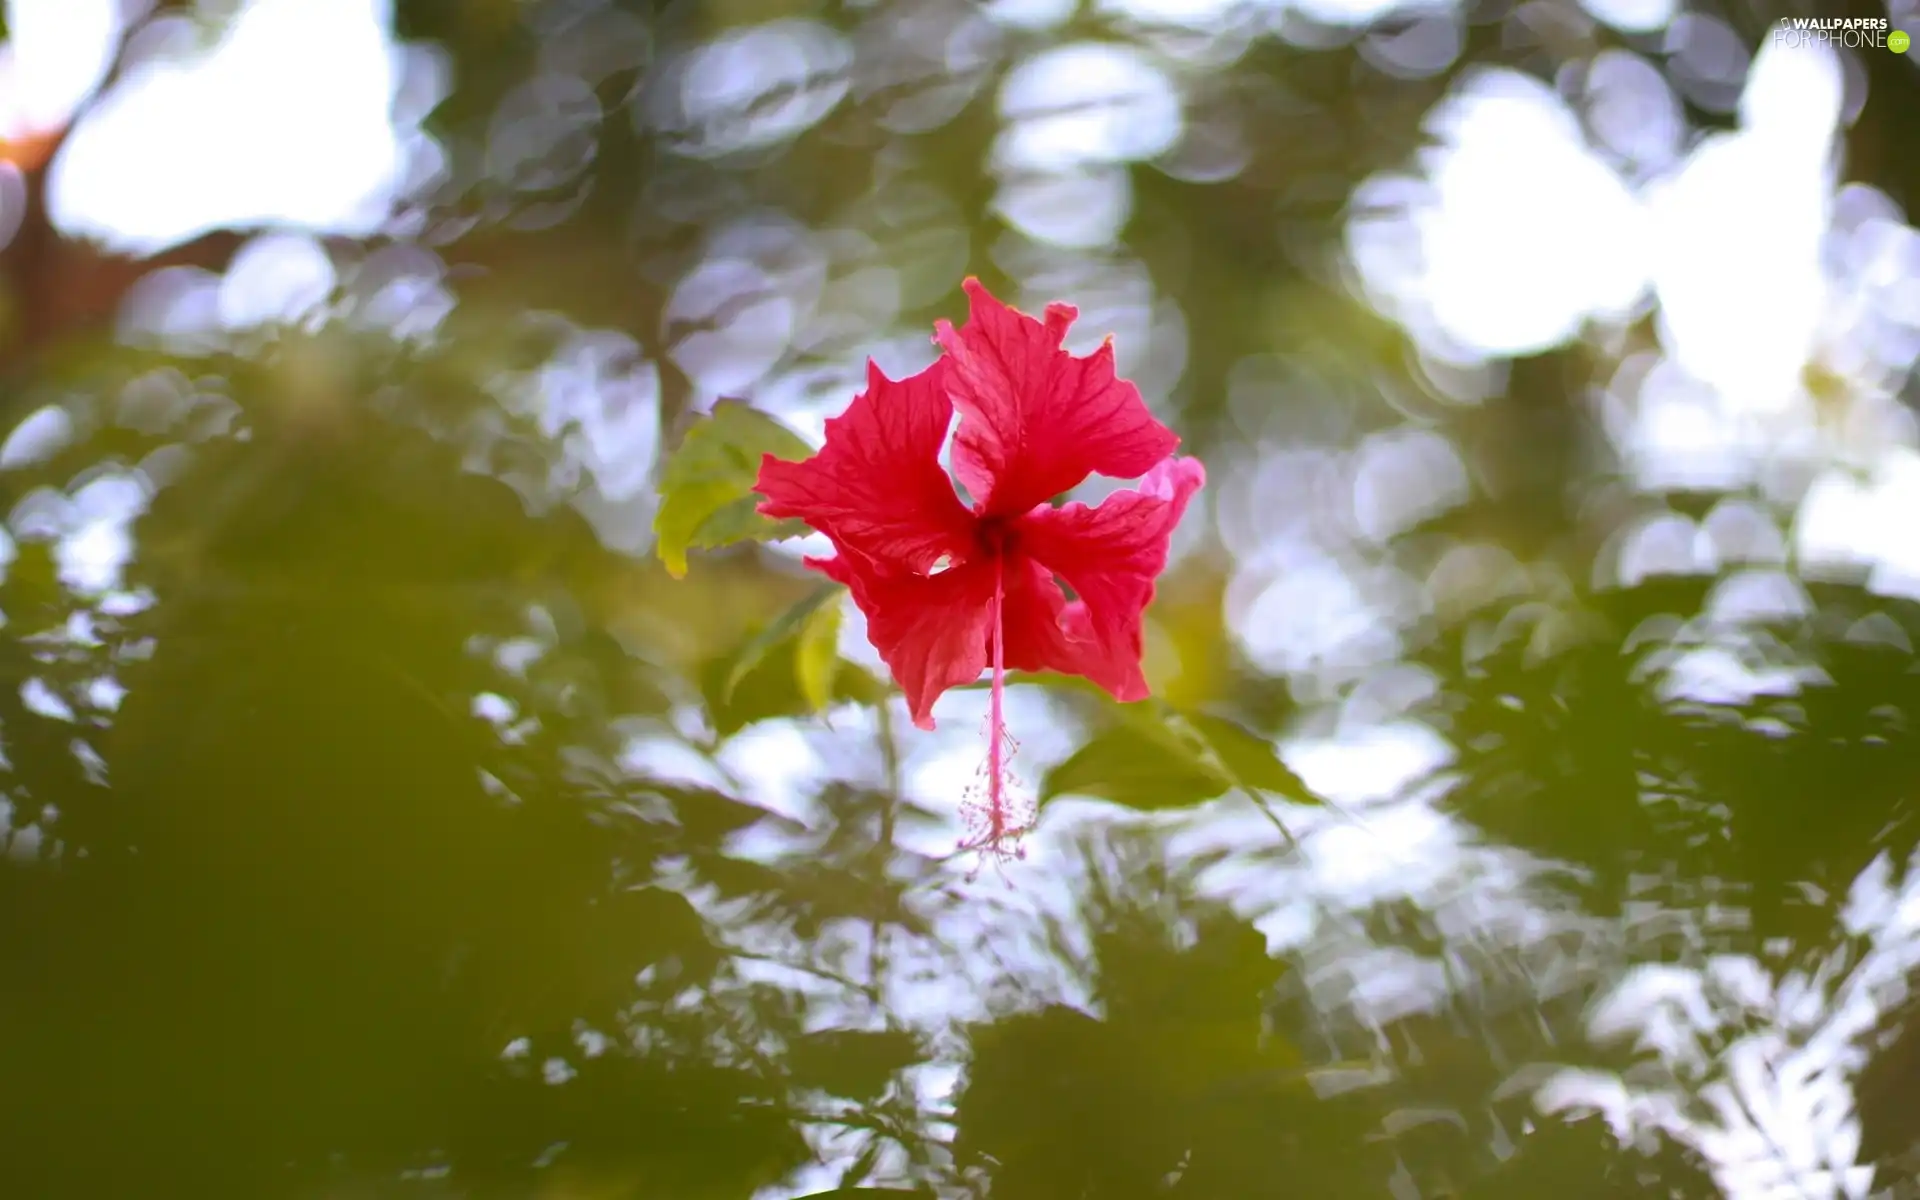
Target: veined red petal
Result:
[1035, 420]
[1033, 621]
[877, 486]
[1110, 556]
[931, 630]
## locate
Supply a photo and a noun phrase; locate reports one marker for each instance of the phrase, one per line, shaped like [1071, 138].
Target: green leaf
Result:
[1147, 772]
[706, 491]
[1157, 757]
[740, 521]
[706, 816]
[795, 621]
[1250, 760]
[772, 689]
[816, 655]
[861, 1167]
[853, 1063]
[647, 924]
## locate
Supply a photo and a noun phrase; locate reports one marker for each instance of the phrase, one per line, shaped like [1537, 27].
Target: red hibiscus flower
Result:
[949, 591]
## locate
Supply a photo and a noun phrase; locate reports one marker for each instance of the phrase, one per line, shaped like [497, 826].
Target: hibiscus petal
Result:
[931, 630]
[877, 486]
[1110, 556]
[1035, 420]
[1033, 616]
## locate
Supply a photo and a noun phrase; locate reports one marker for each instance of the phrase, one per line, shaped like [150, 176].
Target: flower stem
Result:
[996, 728]
[995, 816]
